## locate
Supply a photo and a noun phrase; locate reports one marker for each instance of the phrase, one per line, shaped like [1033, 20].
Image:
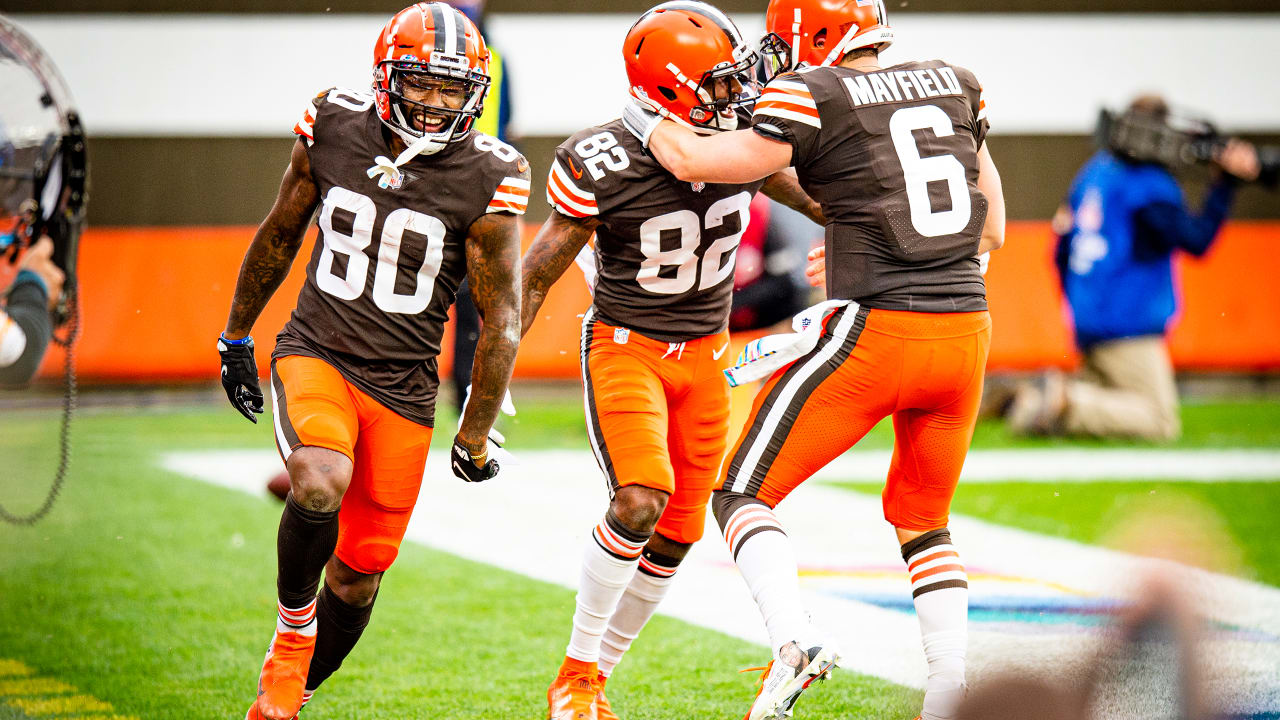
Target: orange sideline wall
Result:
[155, 299]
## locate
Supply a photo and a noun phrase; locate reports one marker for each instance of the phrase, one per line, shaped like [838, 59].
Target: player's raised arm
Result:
[493, 268]
[989, 184]
[266, 263]
[784, 187]
[740, 156]
[553, 250]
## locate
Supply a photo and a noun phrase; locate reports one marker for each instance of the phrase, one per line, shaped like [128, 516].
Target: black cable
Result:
[68, 408]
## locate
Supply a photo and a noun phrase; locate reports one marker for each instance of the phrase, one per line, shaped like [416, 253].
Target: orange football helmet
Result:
[688, 61]
[820, 32]
[437, 41]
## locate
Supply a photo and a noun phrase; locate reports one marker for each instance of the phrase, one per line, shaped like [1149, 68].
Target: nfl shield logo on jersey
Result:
[620, 335]
[698, 186]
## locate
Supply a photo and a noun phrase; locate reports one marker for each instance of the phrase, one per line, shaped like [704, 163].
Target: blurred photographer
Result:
[1123, 219]
[26, 323]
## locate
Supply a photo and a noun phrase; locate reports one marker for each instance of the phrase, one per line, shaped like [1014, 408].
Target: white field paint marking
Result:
[1080, 465]
[547, 506]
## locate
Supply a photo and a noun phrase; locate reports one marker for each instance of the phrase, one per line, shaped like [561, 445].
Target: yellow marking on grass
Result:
[64, 705]
[13, 668]
[33, 686]
[31, 696]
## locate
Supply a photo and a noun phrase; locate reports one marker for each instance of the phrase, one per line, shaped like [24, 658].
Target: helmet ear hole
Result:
[667, 93]
[820, 39]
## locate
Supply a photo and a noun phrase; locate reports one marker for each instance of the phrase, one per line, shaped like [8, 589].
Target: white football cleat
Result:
[788, 676]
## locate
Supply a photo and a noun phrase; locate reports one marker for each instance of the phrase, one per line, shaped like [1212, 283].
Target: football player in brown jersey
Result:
[655, 341]
[354, 371]
[896, 157]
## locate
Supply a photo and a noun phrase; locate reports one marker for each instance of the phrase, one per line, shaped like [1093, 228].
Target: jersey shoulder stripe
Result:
[512, 196]
[789, 100]
[305, 128]
[567, 197]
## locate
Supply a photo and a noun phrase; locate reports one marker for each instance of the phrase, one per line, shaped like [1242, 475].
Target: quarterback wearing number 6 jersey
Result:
[655, 342]
[353, 374]
[897, 159]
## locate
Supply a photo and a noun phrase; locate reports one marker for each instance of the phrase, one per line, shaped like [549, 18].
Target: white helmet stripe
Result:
[450, 30]
[795, 40]
[460, 32]
[437, 25]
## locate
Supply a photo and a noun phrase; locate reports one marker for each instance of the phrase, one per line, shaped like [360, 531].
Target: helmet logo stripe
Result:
[459, 32]
[437, 22]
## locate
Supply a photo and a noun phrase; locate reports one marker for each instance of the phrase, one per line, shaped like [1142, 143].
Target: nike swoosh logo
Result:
[715, 354]
[577, 174]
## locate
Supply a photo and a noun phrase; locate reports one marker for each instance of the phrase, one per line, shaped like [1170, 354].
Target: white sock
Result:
[940, 588]
[607, 566]
[638, 603]
[767, 562]
[296, 620]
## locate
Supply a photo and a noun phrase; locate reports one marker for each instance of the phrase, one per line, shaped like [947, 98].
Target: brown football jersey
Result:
[892, 156]
[664, 248]
[387, 262]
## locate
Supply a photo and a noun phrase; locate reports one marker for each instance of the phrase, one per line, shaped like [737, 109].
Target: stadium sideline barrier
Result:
[155, 299]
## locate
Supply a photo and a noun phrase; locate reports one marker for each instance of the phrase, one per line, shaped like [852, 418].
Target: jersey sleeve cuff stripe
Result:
[810, 120]
[568, 192]
[801, 98]
[514, 182]
[515, 197]
[787, 85]
[786, 105]
[503, 206]
[513, 190]
[560, 178]
[568, 206]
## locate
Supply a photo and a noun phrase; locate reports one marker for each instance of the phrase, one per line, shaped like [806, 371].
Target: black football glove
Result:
[240, 376]
[466, 468]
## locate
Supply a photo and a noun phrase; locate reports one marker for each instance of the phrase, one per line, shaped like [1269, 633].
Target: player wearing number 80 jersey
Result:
[896, 156]
[655, 341]
[353, 378]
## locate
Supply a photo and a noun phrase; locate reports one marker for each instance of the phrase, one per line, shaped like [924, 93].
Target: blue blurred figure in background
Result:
[1122, 222]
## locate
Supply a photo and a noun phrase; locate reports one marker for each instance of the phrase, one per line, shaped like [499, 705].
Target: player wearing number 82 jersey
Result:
[896, 157]
[353, 379]
[655, 341]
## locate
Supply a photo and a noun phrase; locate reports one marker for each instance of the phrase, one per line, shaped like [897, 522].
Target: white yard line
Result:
[849, 558]
[1080, 465]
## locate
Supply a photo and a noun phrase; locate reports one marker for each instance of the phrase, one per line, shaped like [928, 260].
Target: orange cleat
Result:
[284, 676]
[572, 695]
[603, 711]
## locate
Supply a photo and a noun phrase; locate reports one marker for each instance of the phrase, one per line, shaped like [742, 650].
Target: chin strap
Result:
[388, 171]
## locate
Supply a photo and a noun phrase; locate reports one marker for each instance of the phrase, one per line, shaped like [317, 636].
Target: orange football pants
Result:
[316, 407]
[924, 369]
[658, 416]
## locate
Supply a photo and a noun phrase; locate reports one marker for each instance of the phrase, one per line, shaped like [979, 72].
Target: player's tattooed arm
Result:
[275, 245]
[784, 187]
[493, 268]
[558, 242]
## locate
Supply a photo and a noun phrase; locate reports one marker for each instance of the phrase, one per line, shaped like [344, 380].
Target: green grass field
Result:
[154, 594]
